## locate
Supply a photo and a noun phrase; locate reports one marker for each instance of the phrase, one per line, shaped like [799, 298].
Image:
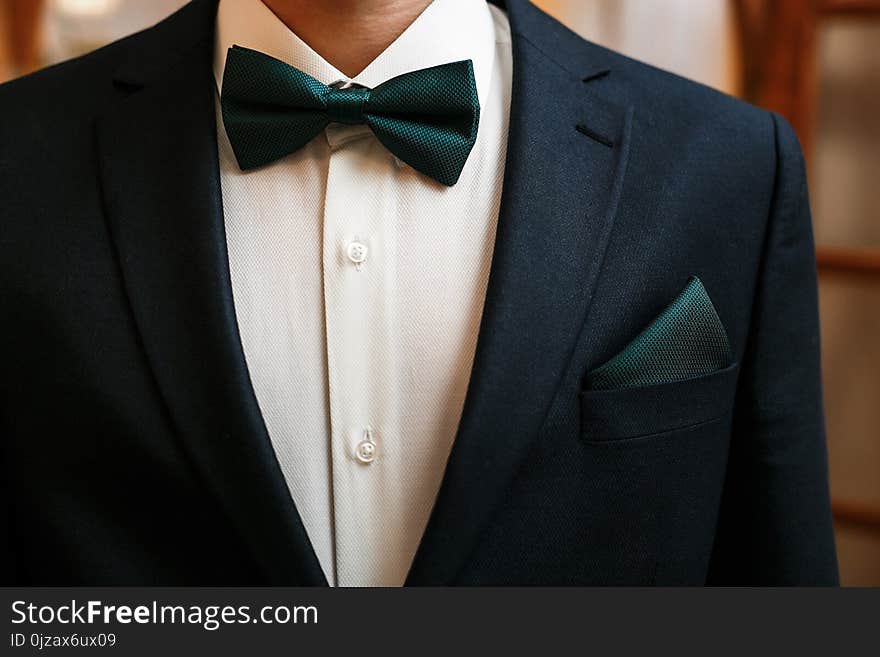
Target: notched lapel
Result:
[158, 159]
[560, 195]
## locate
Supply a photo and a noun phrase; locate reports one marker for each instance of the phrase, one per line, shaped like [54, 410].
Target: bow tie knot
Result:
[426, 118]
[346, 105]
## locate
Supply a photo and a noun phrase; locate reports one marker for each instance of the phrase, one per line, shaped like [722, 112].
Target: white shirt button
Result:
[357, 252]
[365, 452]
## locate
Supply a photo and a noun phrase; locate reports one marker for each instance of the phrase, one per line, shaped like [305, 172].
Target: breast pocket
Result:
[628, 413]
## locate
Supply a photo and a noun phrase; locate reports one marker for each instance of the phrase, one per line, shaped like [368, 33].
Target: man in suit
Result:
[435, 293]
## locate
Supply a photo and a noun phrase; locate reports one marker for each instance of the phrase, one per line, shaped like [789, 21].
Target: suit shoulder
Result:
[683, 132]
[64, 90]
[47, 117]
[665, 99]
[83, 84]
[675, 97]
[687, 117]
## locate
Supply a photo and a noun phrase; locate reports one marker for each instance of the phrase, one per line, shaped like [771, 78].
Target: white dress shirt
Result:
[359, 286]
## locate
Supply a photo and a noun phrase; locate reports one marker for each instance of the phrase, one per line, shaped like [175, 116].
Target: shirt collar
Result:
[447, 31]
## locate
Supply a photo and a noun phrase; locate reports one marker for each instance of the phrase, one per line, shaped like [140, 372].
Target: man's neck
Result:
[348, 33]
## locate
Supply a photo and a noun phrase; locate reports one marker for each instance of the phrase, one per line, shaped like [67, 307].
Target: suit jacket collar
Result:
[567, 154]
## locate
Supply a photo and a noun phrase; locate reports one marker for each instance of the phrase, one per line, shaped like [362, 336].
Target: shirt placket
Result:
[357, 306]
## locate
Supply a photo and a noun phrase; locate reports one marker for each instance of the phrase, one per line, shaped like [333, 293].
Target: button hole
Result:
[595, 136]
[598, 75]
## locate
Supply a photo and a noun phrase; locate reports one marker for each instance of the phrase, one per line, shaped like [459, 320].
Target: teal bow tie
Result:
[427, 118]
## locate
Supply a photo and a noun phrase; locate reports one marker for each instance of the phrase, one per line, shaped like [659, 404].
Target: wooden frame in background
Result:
[777, 40]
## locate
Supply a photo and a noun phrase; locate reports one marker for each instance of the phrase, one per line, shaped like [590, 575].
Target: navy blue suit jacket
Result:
[133, 449]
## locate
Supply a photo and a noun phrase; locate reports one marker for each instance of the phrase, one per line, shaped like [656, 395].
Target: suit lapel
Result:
[158, 159]
[567, 153]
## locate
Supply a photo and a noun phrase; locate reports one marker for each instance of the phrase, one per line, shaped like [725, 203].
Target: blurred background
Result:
[817, 62]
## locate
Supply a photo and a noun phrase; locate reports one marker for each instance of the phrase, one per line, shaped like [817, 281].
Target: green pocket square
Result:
[685, 341]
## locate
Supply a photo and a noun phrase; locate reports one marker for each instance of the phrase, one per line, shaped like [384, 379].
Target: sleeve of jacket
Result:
[775, 523]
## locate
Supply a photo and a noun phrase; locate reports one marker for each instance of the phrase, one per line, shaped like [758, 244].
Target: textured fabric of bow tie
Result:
[426, 118]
